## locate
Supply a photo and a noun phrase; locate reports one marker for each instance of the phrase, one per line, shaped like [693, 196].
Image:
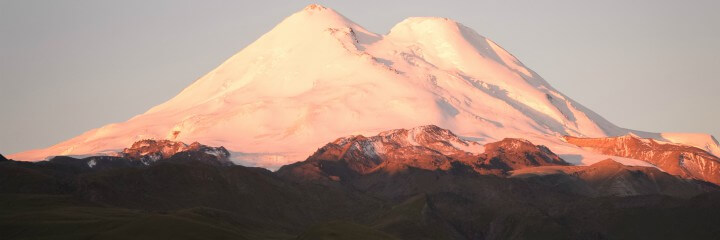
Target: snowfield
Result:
[318, 76]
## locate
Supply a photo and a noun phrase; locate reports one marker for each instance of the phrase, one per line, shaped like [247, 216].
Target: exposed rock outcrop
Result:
[676, 159]
[426, 147]
[149, 151]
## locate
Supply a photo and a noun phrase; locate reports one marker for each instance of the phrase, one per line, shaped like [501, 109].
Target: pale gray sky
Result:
[69, 66]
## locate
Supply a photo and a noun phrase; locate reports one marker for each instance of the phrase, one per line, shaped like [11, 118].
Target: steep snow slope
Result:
[317, 76]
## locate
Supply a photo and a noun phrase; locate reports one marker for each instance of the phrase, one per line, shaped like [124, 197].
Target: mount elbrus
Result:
[317, 76]
[428, 132]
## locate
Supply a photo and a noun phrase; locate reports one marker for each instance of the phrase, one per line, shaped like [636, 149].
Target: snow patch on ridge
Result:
[91, 163]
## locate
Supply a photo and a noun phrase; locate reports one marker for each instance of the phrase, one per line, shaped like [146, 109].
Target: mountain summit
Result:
[317, 75]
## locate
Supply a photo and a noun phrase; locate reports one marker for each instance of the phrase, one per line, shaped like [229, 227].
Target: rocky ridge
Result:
[676, 159]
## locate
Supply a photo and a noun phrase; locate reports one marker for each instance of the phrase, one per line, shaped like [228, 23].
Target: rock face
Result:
[681, 160]
[146, 153]
[426, 147]
[365, 161]
[148, 150]
[511, 153]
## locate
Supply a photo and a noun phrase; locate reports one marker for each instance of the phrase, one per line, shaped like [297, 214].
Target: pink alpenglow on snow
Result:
[317, 76]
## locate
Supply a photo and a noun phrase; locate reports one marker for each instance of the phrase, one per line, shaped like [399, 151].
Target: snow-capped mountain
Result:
[317, 76]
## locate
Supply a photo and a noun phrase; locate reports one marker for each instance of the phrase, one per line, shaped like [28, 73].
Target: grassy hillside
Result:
[61, 217]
